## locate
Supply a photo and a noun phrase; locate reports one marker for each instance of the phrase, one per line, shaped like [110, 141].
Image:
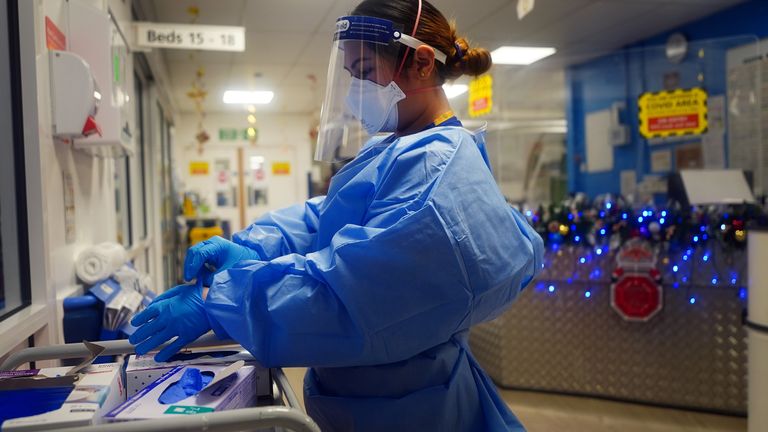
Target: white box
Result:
[99, 390]
[143, 370]
[235, 391]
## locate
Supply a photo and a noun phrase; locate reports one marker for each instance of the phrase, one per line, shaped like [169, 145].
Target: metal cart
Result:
[285, 414]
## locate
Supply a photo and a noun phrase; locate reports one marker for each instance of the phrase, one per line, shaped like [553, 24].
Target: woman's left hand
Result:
[178, 312]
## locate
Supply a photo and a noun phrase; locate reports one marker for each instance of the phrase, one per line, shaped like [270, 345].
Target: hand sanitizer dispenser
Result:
[75, 96]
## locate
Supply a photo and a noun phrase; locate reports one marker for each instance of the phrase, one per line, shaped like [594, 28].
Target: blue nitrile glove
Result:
[190, 384]
[178, 312]
[217, 252]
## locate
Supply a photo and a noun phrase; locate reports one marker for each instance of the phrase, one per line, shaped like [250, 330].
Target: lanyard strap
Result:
[413, 34]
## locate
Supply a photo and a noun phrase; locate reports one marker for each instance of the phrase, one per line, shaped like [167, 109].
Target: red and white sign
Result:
[55, 39]
[665, 124]
[636, 292]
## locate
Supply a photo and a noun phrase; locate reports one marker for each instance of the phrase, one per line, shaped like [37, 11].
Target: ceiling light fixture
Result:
[243, 97]
[453, 90]
[515, 55]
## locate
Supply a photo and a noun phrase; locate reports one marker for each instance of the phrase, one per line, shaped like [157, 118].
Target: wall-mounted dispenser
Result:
[75, 96]
[96, 37]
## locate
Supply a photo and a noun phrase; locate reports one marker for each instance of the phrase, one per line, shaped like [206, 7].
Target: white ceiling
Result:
[288, 41]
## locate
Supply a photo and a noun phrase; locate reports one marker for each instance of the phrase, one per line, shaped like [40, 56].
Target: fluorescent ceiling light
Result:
[453, 90]
[512, 55]
[243, 97]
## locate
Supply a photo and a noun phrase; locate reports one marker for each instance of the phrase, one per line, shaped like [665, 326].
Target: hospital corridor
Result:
[384, 215]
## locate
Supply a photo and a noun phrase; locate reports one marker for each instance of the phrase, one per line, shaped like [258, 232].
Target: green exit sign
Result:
[235, 134]
[229, 134]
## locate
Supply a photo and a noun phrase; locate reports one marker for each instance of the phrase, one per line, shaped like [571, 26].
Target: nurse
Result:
[374, 287]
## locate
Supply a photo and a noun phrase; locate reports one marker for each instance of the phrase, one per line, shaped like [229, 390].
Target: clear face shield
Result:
[361, 95]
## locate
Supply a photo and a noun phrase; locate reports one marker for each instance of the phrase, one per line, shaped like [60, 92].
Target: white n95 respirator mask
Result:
[374, 105]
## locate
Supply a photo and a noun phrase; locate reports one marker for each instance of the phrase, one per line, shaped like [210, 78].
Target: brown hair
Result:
[434, 30]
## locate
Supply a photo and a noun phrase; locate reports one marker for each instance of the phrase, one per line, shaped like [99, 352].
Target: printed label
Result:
[187, 410]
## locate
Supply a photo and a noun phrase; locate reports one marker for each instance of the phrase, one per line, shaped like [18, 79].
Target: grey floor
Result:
[543, 413]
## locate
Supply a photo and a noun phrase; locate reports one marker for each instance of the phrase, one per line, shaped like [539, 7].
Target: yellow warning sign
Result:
[480, 96]
[281, 168]
[199, 168]
[673, 113]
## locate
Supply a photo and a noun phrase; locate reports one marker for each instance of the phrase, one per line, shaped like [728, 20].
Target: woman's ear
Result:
[424, 62]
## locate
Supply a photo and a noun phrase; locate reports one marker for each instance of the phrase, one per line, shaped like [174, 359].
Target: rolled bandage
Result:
[99, 262]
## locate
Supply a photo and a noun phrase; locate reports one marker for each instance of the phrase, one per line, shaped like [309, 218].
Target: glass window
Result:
[123, 201]
[139, 95]
[14, 257]
[171, 261]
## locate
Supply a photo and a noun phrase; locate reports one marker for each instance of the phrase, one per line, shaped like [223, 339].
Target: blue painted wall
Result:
[623, 76]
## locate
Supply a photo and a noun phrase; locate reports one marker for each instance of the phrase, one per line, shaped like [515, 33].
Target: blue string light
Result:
[685, 257]
[692, 300]
[582, 260]
[703, 228]
[714, 281]
[743, 293]
[608, 205]
[675, 268]
[722, 227]
[602, 231]
[733, 281]
[551, 288]
[705, 258]
[663, 213]
[576, 239]
[662, 220]
[695, 239]
[588, 294]
[528, 213]
[639, 219]
[624, 216]
[599, 251]
[676, 285]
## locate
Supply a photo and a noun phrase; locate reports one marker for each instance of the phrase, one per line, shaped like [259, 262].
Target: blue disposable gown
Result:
[376, 285]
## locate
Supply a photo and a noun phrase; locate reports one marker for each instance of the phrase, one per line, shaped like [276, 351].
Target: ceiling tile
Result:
[229, 12]
[504, 25]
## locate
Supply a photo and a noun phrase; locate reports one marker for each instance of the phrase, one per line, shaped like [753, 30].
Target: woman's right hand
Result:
[212, 256]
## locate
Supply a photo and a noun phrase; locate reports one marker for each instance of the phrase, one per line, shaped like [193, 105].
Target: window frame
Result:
[11, 51]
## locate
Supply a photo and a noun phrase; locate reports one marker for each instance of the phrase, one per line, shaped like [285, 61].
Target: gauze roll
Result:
[99, 262]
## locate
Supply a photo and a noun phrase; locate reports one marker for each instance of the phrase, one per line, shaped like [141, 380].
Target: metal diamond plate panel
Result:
[690, 355]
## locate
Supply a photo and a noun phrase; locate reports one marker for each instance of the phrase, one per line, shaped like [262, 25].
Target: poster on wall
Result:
[689, 157]
[481, 96]
[224, 193]
[281, 168]
[673, 113]
[199, 168]
[661, 161]
[747, 82]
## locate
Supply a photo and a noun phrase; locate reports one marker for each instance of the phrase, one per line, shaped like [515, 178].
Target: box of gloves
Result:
[197, 389]
[75, 400]
[143, 370]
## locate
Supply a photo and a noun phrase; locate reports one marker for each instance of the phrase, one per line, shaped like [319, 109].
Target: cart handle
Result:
[77, 350]
[234, 420]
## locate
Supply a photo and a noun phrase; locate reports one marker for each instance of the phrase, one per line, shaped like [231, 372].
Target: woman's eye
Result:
[365, 73]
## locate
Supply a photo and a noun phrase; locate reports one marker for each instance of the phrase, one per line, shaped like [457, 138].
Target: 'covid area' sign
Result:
[673, 113]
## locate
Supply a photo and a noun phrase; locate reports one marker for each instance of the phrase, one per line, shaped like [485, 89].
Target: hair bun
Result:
[476, 61]
[467, 61]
